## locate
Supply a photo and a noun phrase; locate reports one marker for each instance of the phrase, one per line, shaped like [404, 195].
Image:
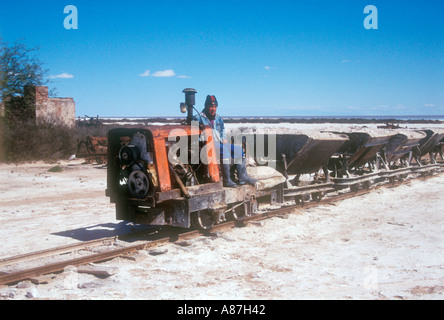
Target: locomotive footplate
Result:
[172, 208]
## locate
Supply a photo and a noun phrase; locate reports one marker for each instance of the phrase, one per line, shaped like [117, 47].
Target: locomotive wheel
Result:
[202, 220]
[237, 213]
[367, 184]
[138, 184]
[124, 211]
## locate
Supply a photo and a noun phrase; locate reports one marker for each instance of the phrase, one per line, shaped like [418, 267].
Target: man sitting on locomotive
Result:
[209, 117]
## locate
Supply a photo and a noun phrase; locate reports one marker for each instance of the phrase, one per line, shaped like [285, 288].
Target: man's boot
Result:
[226, 176]
[242, 174]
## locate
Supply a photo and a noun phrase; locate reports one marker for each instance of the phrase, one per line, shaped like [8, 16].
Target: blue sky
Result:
[260, 58]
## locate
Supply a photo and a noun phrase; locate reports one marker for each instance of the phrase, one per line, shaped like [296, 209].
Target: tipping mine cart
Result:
[93, 149]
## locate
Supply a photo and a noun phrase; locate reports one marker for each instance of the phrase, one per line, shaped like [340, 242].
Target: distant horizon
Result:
[377, 117]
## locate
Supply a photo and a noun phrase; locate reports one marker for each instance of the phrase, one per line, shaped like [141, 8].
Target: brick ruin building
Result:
[41, 107]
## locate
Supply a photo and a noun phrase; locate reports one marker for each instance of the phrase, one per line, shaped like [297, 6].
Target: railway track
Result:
[157, 238]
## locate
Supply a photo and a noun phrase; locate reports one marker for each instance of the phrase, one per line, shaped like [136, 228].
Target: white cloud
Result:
[267, 68]
[164, 73]
[145, 74]
[429, 105]
[62, 76]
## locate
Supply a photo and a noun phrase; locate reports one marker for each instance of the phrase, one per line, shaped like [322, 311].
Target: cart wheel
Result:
[299, 200]
[317, 196]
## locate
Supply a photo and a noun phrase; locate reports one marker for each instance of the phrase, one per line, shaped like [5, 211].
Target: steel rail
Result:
[60, 266]
[53, 251]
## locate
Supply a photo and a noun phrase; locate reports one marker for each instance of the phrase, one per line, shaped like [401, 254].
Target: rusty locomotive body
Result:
[150, 187]
[170, 175]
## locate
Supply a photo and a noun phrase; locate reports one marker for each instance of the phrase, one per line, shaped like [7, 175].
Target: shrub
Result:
[27, 141]
[56, 169]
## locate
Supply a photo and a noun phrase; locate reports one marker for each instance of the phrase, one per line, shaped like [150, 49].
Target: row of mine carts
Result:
[150, 187]
[320, 162]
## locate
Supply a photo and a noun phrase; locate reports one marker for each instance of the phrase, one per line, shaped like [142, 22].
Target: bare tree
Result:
[19, 67]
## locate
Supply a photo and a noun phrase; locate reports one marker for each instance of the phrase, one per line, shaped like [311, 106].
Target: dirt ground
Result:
[388, 244]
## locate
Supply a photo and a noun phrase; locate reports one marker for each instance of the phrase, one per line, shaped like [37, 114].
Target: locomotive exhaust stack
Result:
[190, 101]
